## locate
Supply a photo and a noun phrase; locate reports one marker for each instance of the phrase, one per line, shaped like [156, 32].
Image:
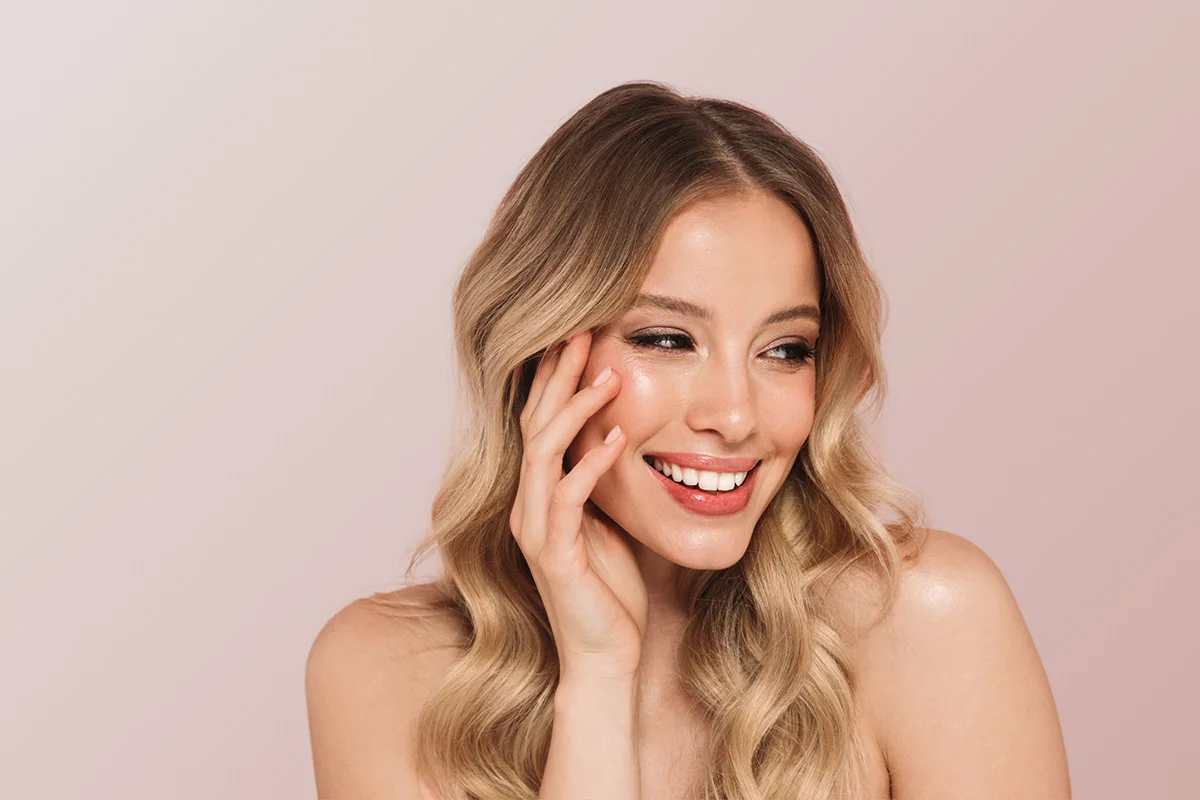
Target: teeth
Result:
[707, 480]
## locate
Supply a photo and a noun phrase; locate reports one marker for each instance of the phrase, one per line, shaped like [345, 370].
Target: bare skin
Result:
[953, 694]
[954, 697]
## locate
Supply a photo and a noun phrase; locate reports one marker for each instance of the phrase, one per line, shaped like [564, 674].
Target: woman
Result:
[673, 566]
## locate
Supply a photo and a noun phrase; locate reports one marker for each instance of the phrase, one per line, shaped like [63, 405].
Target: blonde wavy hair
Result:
[762, 656]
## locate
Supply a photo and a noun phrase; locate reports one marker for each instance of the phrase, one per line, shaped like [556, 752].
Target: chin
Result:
[706, 551]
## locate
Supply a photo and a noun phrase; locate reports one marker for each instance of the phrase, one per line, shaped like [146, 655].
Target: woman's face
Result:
[714, 363]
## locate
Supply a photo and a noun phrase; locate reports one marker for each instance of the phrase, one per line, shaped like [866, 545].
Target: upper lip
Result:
[707, 462]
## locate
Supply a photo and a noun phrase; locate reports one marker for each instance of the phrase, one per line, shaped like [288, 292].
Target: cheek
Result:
[645, 396]
[787, 416]
[646, 399]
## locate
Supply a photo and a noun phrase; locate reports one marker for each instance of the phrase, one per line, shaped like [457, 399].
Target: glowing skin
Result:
[727, 388]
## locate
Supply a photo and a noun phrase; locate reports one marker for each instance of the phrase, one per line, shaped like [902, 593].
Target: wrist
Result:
[598, 670]
[615, 692]
[604, 678]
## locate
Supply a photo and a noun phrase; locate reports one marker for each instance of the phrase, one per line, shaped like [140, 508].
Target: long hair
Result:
[762, 656]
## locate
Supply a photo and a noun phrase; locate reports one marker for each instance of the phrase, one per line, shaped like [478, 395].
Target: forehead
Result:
[733, 251]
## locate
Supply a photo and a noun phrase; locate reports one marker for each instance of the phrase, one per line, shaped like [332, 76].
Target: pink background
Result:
[228, 233]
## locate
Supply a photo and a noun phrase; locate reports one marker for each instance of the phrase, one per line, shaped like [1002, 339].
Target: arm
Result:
[592, 746]
[962, 700]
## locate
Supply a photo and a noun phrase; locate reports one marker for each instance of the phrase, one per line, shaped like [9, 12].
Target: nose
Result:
[722, 399]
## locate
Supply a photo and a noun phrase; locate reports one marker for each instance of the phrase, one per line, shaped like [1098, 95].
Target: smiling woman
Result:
[673, 564]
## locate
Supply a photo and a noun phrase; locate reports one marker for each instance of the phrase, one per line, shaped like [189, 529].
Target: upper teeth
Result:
[706, 479]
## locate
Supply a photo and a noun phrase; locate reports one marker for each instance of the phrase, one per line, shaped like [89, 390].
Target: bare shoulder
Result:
[369, 671]
[956, 690]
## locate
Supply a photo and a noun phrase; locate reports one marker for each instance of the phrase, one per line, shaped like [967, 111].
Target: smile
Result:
[707, 502]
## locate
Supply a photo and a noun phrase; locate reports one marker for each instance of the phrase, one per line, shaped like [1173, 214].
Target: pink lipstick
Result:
[701, 501]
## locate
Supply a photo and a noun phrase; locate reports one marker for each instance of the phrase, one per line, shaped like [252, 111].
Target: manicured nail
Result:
[613, 434]
[603, 376]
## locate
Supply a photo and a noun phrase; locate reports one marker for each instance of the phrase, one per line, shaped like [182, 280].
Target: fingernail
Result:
[613, 434]
[603, 376]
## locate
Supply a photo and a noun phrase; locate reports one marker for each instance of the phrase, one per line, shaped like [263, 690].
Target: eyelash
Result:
[807, 354]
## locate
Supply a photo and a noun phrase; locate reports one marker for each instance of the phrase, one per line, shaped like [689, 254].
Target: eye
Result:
[651, 340]
[800, 352]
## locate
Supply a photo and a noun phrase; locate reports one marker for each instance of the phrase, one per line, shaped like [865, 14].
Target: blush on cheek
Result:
[638, 381]
[641, 407]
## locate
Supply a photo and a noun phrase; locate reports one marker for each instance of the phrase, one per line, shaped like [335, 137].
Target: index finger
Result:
[563, 381]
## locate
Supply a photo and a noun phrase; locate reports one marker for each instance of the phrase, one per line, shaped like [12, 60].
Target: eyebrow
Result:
[689, 309]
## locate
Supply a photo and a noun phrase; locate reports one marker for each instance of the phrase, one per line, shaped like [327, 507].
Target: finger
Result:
[544, 455]
[565, 518]
[564, 382]
[545, 369]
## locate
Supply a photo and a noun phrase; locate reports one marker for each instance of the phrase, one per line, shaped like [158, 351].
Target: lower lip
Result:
[711, 504]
